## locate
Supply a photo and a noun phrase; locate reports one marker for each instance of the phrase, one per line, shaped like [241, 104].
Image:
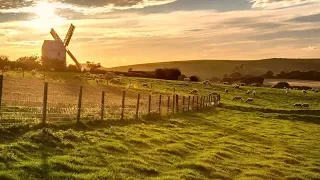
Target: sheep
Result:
[304, 91]
[226, 83]
[99, 81]
[6, 68]
[316, 91]
[20, 69]
[145, 85]
[121, 75]
[242, 84]
[52, 70]
[34, 72]
[297, 105]
[237, 98]
[115, 81]
[249, 100]
[130, 86]
[254, 93]
[236, 86]
[186, 79]
[206, 82]
[226, 91]
[248, 92]
[306, 105]
[195, 91]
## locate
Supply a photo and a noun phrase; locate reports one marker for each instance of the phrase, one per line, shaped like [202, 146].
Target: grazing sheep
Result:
[145, 85]
[248, 92]
[306, 105]
[34, 72]
[237, 98]
[250, 100]
[52, 70]
[297, 105]
[226, 91]
[316, 91]
[236, 86]
[242, 84]
[121, 75]
[186, 79]
[20, 69]
[226, 83]
[206, 82]
[115, 81]
[304, 91]
[195, 91]
[254, 93]
[6, 68]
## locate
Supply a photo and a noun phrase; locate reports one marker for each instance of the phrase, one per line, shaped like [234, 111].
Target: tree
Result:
[194, 78]
[29, 62]
[130, 70]
[269, 74]
[93, 66]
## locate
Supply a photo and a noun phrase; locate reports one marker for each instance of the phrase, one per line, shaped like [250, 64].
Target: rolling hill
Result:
[217, 68]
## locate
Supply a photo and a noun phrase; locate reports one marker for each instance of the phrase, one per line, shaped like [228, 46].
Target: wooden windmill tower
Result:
[54, 51]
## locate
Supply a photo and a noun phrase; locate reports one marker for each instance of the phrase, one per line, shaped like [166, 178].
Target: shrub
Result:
[182, 77]
[194, 78]
[281, 85]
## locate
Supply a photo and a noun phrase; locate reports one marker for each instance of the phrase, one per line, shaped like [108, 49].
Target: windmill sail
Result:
[55, 35]
[74, 58]
[69, 35]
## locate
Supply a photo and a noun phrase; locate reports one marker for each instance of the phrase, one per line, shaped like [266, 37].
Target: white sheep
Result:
[236, 86]
[304, 91]
[115, 81]
[242, 84]
[145, 85]
[248, 92]
[254, 93]
[186, 79]
[34, 72]
[316, 91]
[226, 91]
[195, 91]
[306, 105]
[121, 75]
[250, 100]
[6, 68]
[20, 69]
[237, 98]
[297, 105]
[226, 83]
[52, 69]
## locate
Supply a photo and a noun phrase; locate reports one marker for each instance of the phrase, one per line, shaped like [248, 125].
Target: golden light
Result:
[45, 16]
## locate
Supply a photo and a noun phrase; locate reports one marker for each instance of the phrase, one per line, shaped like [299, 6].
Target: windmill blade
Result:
[74, 58]
[55, 35]
[69, 35]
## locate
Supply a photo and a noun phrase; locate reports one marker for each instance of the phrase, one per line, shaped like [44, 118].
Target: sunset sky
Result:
[122, 32]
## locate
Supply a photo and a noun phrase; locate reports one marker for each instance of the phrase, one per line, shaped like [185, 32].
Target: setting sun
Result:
[46, 17]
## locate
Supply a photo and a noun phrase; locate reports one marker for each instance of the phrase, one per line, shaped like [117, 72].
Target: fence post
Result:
[189, 103]
[183, 103]
[45, 103]
[123, 104]
[102, 105]
[138, 105]
[149, 107]
[79, 104]
[1, 87]
[197, 103]
[173, 104]
[168, 110]
[177, 103]
[160, 99]
[22, 72]
[192, 103]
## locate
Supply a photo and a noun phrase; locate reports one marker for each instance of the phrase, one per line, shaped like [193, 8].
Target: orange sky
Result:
[115, 33]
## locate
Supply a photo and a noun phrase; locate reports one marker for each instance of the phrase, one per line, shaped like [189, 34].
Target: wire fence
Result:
[28, 101]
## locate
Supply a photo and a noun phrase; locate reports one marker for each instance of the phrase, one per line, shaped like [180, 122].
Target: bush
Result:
[194, 78]
[168, 73]
[281, 85]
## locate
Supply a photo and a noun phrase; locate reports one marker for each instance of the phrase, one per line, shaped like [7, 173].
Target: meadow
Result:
[268, 139]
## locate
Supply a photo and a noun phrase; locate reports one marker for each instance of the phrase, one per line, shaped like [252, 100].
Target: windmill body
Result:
[54, 52]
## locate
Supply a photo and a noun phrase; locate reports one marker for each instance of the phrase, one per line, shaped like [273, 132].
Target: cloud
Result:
[279, 3]
[311, 48]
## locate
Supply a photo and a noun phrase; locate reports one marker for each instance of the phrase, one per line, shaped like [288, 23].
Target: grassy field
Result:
[226, 144]
[293, 82]
[268, 139]
[207, 69]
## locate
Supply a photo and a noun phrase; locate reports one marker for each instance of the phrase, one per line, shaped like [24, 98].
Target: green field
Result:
[268, 139]
[207, 69]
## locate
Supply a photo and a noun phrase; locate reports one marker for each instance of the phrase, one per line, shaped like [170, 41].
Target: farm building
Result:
[53, 54]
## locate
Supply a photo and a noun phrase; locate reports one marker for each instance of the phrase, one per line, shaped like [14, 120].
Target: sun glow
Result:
[46, 17]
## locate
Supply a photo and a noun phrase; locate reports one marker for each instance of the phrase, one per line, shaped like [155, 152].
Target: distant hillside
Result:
[217, 68]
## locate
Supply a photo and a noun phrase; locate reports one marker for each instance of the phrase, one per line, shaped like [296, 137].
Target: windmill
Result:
[55, 50]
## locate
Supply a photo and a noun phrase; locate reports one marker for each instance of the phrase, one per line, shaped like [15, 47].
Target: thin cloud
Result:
[279, 3]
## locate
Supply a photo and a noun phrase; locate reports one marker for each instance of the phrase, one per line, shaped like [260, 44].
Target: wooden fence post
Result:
[22, 72]
[168, 110]
[123, 104]
[160, 103]
[45, 103]
[197, 103]
[102, 105]
[138, 105]
[149, 107]
[183, 103]
[173, 103]
[79, 104]
[193, 103]
[189, 103]
[177, 103]
[1, 87]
